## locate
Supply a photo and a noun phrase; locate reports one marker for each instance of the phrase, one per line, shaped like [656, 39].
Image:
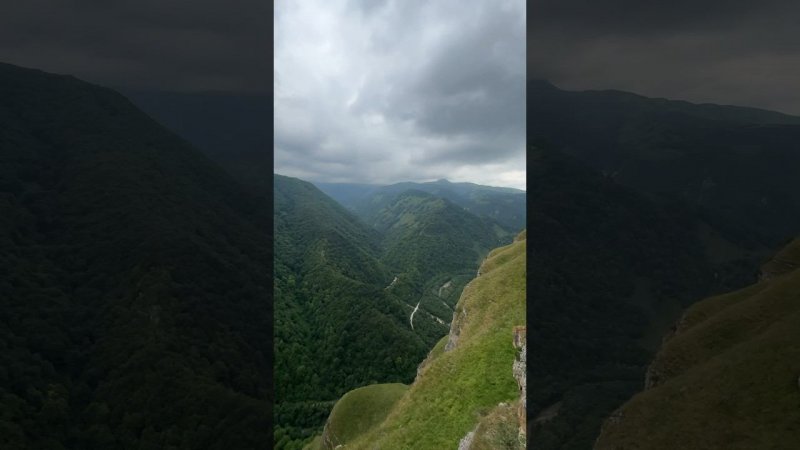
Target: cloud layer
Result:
[176, 45]
[385, 91]
[730, 52]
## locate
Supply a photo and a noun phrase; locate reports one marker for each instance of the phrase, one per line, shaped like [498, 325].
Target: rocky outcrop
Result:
[518, 369]
[459, 317]
[466, 442]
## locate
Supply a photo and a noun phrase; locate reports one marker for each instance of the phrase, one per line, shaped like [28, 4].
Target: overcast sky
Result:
[739, 52]
[396, 90]
[171, 45]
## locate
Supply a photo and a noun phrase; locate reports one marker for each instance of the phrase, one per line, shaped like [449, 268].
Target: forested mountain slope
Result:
[433, 248]
[362, 304]
[135, 303]
[737, 166]
[609, 271]
[336, 326]
[728, 375]
[505, 206]
[460, 383]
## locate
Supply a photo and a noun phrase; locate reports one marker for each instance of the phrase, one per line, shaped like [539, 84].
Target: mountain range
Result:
[363, 301]
[736, 166]
[506, 206]
[140, 298]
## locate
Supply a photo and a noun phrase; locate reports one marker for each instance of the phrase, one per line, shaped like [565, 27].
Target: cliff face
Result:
[727, 377]
[459, 316]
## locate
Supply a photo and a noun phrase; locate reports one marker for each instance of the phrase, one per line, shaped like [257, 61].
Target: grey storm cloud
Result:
[177, 45]
[397, 90]
[730, 52]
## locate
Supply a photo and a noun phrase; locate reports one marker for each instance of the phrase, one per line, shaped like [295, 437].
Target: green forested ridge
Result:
[736, 166]
[134, 280]
[426, 234]
[434, 248]
[345, 292]
[336, 327]
[505, 206]
[609, 270]
[727, 377]
[456, 389]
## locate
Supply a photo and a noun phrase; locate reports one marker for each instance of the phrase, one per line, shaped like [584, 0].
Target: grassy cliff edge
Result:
[457, 388]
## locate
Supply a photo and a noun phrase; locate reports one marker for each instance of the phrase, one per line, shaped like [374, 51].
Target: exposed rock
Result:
[518, 369]
[455, 329]
[466, 442]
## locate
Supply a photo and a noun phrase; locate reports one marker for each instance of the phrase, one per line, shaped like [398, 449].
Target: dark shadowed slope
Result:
[737, 166]
[727, 377]
[609, 270]
[134, 280]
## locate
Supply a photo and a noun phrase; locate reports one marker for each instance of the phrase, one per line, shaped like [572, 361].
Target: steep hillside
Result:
[306, 218]
[362, 304]
[337, 327]
[434, 248]
[461, 383]
[737, 166]
[612, 270]
[135, 303]
[428, 234]
[727, 377]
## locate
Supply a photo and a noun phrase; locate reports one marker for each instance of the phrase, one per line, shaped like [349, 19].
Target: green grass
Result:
[458, 387]
[728, 378]
[315, 444]
[360, 409]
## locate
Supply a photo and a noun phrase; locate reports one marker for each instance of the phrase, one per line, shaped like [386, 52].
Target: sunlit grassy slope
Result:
[455, 388]
[728, 379]
[359, 410]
